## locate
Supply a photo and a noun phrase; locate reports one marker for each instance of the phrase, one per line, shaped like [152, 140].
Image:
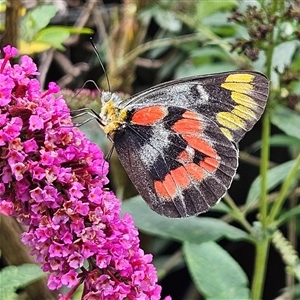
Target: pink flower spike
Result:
[75, 260]
[6, 208]
[2, 189]
[52, 88]
[75, 190]
[28, 65]
[52, 180]
[69, 279]
[36, 123]
[9, 53]
[12, 128]
[6, 86]
[95, 195]
[18, 170]
[30, 145]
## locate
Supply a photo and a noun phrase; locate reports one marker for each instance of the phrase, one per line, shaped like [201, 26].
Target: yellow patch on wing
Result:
[241, 77]
[239, 83]
[230, 120]
[227, 133]
[243, 99]
[244, 109]
[243, 112]
[238, 87]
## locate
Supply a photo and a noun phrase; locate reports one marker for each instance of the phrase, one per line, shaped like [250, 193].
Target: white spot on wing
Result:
[155, 145]
[203, 94]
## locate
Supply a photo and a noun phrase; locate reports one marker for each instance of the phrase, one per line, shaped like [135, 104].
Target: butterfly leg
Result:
[86, 111]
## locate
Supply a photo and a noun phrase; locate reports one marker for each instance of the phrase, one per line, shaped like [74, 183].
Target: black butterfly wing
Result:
[178, 141]
[181, 164]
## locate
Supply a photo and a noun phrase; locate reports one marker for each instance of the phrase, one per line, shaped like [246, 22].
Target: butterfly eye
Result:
[107, 96]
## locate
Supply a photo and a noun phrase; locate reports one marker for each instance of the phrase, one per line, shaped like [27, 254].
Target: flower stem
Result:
[237, 214]
[265, 151]
[262, 250]
[262, 239]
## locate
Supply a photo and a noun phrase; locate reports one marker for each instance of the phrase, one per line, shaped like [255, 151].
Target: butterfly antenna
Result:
[80, 90]
[100, 61]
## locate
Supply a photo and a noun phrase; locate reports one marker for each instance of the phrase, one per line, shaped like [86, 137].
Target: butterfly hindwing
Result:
[180, 161]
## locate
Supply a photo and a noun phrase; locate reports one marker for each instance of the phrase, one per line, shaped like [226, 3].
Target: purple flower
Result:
[52, 179]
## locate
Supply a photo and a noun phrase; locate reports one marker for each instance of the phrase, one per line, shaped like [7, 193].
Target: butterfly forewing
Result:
[234, 100]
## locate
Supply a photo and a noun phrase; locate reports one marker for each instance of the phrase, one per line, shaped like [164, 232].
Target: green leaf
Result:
[168, 20]
[193, 229]
[275, 176]
[221, 208]
[207, 8]
[56, 35]
[36, 19]
[215, 273]
[287, 120]
[219, 21]
[163, 15]
[187, 69]
[52, 38]
[291, 213]
[14, 277]
[278, 140]
[207, 54]
[282, 57]
[284, 141]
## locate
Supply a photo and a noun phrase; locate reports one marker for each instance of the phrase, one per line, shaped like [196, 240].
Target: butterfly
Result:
[178, 140]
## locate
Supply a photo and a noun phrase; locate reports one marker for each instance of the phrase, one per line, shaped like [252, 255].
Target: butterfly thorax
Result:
[112, 116]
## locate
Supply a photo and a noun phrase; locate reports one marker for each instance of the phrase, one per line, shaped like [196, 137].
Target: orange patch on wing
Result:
[181, 177]
[160, 189]
[165, 188]
[149, 115]
[187, 126]
[195, 171]
[210, 164]
[184, 157]
[190, 115]
[177, 178]
[200, 145]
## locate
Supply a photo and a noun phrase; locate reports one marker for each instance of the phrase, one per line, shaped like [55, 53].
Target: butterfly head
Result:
[112, 116]
[109, 96]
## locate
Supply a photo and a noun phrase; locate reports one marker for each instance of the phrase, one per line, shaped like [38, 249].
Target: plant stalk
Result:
[262, 240]
[262, 250]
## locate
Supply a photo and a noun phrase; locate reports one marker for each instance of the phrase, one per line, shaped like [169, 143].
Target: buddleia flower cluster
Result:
[52, 180]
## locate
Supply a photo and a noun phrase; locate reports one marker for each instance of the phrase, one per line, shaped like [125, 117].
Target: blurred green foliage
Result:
[13, 278]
